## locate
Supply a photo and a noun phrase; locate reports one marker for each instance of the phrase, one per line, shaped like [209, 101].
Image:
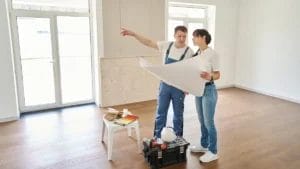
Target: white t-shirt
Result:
[209, 60]
[175, 53]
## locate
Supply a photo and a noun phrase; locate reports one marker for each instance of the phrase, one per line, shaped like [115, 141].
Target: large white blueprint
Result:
[184, 75]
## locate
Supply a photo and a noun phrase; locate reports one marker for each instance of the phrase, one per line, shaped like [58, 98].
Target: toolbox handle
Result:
[181, 149]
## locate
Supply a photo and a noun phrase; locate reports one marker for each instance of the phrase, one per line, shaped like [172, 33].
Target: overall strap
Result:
[183, 55]
[196, 53]
[168, 51]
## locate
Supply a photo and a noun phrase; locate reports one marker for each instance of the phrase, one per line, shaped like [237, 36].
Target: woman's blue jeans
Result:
[206, 106]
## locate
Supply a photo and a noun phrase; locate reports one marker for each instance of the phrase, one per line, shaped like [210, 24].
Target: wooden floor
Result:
[254, 132]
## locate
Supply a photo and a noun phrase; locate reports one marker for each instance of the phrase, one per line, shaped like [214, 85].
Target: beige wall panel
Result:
[124, 81]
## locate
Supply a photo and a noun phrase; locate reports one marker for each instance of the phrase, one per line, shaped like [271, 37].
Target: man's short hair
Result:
[180, 28]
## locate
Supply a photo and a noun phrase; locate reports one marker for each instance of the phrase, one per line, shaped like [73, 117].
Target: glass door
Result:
[75, 58]
[54, 65]
[36, 60]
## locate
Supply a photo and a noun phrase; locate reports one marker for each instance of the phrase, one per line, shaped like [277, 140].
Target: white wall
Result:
[8, 101]
[97, 43]
[268, 57]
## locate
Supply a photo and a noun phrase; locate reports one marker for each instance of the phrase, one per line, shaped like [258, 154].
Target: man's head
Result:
[180, 34]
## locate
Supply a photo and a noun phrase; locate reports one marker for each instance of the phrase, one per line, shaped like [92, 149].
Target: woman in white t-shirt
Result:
[206, 104]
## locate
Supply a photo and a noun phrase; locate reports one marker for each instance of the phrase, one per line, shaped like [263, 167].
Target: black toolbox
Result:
[173, 154]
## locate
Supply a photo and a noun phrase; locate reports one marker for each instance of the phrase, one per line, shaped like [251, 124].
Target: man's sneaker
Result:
[198, 149]
[208, 157]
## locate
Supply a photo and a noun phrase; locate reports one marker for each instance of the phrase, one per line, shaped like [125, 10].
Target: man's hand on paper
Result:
[205, 75]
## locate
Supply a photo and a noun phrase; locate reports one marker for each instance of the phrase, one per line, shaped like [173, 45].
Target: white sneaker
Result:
[198, 149]
[208, 157]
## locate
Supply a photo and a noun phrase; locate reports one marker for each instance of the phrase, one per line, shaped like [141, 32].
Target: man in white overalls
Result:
[173, 52]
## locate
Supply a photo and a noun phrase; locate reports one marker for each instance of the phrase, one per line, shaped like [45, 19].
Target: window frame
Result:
[205, 21]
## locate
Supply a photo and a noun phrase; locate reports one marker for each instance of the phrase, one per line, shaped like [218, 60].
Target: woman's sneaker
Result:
[198, 149]
[208, 157]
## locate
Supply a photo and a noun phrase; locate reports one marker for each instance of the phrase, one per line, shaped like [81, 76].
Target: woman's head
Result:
[201, 37]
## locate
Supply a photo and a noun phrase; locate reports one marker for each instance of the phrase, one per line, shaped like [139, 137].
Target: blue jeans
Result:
[205, 106]
[167, 94]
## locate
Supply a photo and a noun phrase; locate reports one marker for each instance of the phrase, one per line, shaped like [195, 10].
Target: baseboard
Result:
[267, 93]
[225, 86]
[7, 119]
